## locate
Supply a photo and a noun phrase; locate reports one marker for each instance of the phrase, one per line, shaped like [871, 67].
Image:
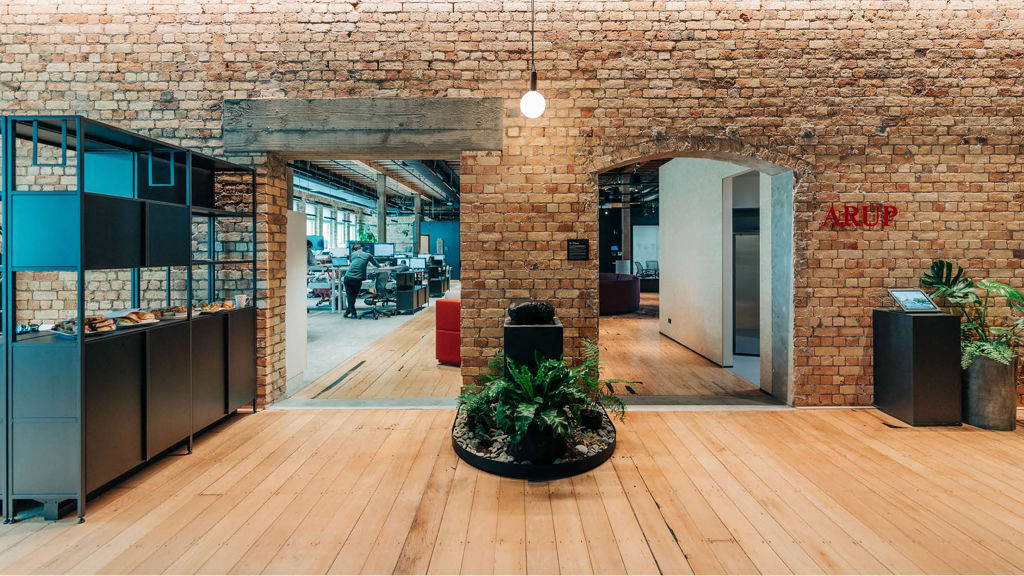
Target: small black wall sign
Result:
[578, 249]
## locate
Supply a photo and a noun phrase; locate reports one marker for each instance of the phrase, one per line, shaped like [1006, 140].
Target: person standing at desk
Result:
[354, 277]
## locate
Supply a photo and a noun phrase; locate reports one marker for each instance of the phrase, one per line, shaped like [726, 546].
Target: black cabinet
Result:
[79, 411]
[3, 427]
[162, 175]
[113, 232]
[917, 367]
[409, 300]
[202, 187]
[168, 390]
[44, 420]
[114, 403]
[241, 357]
[168, 235]
[209, 390]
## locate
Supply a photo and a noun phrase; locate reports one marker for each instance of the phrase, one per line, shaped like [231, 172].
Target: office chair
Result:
[640, 269]
[318, 282]
[652, 268]
[380, 297]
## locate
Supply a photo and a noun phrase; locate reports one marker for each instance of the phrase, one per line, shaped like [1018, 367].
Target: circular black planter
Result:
[534, 471]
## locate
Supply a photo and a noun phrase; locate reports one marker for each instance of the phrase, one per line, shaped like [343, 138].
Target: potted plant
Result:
[539, 411]
[988, 345]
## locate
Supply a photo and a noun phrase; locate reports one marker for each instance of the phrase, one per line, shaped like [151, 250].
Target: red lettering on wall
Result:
[850, 215]
[870, 215]
[831, 218]
[889, 212]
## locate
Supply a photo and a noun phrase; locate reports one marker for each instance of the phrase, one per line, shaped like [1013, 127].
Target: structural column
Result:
[382, 207]
[627, 233]
[417, 214]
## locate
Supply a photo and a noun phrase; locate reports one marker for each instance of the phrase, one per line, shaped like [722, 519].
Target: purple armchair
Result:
[619, 293]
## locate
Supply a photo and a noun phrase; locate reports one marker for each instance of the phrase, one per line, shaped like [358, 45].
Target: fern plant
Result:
[550, 399]
[595, 386]
[980, 333]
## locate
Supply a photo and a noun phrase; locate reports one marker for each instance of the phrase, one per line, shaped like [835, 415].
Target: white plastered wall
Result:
[694, 253]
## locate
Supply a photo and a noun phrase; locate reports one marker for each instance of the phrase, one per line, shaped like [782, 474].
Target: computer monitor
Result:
[367, 247]
[318, 241]
[438, 257]
[417, 263]
[384, 249]
[339, 252]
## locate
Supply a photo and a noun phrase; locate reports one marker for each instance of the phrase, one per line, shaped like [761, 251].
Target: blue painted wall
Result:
[449, 231]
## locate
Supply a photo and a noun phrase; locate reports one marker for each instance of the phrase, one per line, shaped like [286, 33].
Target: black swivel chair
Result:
[380, 298]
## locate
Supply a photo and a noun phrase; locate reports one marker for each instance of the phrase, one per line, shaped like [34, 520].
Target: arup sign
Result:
[860, 216]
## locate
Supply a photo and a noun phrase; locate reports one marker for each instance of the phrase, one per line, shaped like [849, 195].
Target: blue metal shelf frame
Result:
[85, 136]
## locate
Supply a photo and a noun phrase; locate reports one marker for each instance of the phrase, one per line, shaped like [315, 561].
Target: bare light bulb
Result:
[532, 103]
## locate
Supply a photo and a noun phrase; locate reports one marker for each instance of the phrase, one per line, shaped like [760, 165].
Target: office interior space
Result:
[404, 214]
[688, 264]
[514, 287]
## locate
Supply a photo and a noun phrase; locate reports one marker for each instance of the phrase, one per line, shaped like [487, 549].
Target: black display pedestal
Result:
[917, 367]
[523, 343]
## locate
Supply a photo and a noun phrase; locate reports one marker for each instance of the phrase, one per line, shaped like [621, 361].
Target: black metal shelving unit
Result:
[85, 200]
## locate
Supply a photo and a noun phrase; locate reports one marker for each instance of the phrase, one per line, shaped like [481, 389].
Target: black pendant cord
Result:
[533, 53]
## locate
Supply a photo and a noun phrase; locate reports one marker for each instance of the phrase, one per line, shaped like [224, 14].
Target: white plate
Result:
[120, 313]
[139, 323]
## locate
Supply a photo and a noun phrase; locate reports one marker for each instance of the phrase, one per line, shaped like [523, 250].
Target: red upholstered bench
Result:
[449, 337]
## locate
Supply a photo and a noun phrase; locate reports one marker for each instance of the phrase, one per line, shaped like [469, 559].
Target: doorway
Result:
[395, 225]
[709, 320]
[357, 129]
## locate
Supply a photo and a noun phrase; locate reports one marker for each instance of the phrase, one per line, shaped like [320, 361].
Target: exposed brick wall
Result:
[913, 104]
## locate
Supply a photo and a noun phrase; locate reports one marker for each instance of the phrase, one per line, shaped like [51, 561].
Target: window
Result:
[310, 219]
[328, 227]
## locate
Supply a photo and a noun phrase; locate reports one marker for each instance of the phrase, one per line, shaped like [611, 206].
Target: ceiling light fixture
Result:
[532, 103]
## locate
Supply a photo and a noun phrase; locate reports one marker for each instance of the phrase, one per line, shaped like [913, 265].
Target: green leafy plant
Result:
[366, 235]
[981, 334]
[549, 400]
[994, 350]
[597, 388]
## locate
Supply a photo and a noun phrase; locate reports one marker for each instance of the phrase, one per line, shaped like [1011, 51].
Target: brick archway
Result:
[764, 159]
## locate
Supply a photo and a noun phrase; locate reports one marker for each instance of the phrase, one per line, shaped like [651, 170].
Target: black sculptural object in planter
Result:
[532, 331]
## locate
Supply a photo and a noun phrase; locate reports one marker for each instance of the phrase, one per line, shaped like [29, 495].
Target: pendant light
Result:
[532, 103]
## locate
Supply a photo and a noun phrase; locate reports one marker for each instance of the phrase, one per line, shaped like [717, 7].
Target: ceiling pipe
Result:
[433, 179]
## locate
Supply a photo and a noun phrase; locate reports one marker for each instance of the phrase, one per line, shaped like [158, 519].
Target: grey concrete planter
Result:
[990, 394]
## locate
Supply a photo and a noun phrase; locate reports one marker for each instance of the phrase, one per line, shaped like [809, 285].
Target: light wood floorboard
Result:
[401, 364]
[381, 491]
[652, 364]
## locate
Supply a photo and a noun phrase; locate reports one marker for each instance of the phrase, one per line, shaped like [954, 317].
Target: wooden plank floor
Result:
[399, 365]
[812, 491]
[633, 349]
[402, 364]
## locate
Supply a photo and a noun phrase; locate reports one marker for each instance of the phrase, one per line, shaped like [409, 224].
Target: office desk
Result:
[337, 282]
